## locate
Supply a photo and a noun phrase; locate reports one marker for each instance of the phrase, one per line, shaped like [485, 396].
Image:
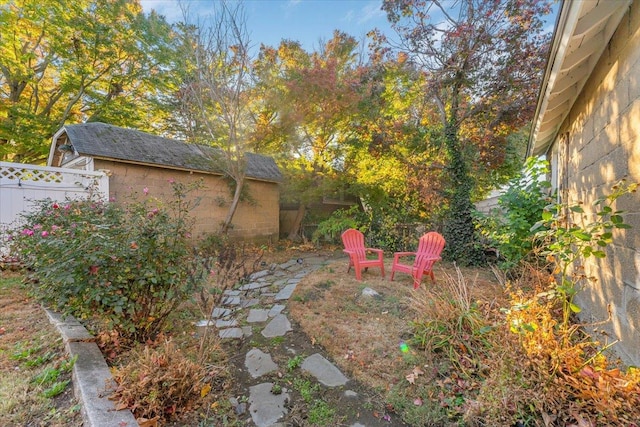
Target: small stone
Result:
[241, 409]
[368, 292]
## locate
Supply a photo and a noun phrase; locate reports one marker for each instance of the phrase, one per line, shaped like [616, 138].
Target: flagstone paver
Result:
[259, 363]
[271, 289]
[258, 315]
[265, 407]
[286, 292]
[324, 371]
[275, 310]
[277, 327]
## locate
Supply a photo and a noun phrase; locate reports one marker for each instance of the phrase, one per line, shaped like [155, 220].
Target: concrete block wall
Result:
[603, 131]
[257, 221]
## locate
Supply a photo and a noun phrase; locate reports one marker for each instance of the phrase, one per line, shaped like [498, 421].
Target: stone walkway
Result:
[262, 304]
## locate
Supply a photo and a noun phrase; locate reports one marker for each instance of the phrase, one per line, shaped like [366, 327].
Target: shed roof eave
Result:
[177, 168]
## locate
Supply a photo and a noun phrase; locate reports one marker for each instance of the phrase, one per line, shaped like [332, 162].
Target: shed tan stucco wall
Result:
[599, 144]
[257, 222]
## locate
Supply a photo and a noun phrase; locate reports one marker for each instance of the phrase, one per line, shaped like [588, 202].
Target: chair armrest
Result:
[397, 255]
[378, 251]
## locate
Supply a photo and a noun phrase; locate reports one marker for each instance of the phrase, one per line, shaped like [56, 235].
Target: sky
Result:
[306, 21]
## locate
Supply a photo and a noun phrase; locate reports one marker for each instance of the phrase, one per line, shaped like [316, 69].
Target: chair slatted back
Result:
[353, 240]
[430, 246]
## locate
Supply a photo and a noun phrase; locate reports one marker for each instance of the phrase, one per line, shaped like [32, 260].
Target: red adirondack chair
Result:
[429, 250]
[353, 241]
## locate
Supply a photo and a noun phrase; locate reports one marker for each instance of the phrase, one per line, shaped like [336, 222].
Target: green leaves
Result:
[570, 239]
[132, 277]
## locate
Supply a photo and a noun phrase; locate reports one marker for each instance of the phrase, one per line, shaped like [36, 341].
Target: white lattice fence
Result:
[22, 184]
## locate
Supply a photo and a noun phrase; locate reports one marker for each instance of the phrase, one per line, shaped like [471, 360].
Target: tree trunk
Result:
[296, 231]
[459, 229]
[224, 229]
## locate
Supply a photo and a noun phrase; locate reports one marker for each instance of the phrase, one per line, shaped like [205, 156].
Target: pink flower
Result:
[45, 233]
[145, 190]
[54, 227]
[27, 232]
[55, 206]
[67, 207]
[171, 180]
[37, 227]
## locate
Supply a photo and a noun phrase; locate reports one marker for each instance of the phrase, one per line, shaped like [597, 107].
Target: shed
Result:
[140, 164]
[587, 124]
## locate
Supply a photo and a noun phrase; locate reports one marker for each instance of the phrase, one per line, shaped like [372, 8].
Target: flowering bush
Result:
[129, 264]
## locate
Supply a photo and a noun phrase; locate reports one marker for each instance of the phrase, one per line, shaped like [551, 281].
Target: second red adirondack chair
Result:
[429, 250]
[353, 241]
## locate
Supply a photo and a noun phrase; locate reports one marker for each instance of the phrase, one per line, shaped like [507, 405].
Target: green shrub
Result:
[130, 265]
[331, 229]
[387, 223]
[508, 228]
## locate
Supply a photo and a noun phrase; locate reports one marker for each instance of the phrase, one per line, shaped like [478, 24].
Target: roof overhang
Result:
[583, 30]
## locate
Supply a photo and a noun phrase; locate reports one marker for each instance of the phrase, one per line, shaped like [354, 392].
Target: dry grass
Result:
[30, 346]
[364, 333]
[463, 362]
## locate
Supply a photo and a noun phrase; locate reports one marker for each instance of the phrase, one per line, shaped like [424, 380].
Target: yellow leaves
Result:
[205, 390]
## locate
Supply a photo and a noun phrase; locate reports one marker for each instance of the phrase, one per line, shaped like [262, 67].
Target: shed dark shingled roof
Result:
[116, 143]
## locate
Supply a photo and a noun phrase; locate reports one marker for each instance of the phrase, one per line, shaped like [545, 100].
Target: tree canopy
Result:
[76, 61]
[414, 129]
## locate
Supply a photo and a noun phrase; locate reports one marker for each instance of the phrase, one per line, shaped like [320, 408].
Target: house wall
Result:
[255, 222]
[599, 144]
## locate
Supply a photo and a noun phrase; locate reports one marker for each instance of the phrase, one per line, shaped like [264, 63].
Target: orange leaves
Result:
[582, 378]
[159, 382]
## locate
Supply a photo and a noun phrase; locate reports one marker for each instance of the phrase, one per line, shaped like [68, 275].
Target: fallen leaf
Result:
[143, 422]
[205, 390]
